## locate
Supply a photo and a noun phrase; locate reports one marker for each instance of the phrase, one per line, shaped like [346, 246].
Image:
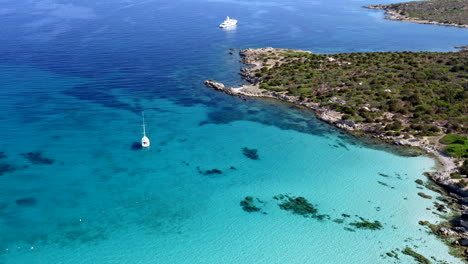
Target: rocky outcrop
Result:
[446, 232]
[215, 85]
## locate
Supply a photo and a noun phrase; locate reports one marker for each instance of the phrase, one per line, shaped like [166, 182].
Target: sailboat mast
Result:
[144, 127]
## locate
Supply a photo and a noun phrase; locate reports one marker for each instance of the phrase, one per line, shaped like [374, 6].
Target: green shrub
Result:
[422, 87]
[453, 139]
[457, 150]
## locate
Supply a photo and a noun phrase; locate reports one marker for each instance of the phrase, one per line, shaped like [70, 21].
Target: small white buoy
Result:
[80, 220]
[32, 248]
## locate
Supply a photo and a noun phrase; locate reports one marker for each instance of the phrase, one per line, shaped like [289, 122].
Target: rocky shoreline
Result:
[395, 15]
[457, 228]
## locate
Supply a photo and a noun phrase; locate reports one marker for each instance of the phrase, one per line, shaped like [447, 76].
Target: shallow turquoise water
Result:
[73, 84]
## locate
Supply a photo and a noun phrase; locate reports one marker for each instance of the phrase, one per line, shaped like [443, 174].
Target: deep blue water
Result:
[74, 77]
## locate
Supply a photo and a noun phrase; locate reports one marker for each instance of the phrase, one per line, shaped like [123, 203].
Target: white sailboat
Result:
[145, 142]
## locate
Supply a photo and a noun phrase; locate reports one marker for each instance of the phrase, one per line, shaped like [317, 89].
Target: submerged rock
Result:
[212, 171]
[343, 146]
[419, 181]
[440, 207]
[250, 153]
[5, 168]
[36, 158]
[425, 196]
[278, 197]
[209, 172]
[28, 201]
[298, 206]
[365, 224]
[248, 205]
[136, 146]
[339, 220]
[418, 257]
[384, 175]
[385, 184]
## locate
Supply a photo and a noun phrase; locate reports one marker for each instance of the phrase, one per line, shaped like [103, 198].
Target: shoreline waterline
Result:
[445, 166]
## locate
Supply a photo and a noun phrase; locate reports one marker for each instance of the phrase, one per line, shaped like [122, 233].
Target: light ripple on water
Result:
[78, 103]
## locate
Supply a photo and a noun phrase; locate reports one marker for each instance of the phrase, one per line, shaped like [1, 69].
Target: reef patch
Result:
[5, 168]
[297, 205]
[365, 224]
[248, 204]
[250, 153]
[37, 158]
[425, 196]
[26, 202]
[209, 172]
[418, 257]
[385, 184]
[384, 175]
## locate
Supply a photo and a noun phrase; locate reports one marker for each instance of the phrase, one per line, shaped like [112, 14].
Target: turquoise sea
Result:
[74, 78]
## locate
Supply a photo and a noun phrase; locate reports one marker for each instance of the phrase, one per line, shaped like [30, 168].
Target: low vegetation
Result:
[457, 145]
[424, 92]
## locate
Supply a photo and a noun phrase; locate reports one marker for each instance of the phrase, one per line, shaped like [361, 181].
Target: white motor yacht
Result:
[229, 22]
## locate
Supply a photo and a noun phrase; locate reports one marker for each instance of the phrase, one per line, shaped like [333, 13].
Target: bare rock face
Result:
[463, 242]
[220, 87]
[464, 223]
[346, 124]
[446, 232]
[215, 85]
[337, 100]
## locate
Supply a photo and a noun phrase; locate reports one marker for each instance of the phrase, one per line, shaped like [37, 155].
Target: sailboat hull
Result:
[145, 142]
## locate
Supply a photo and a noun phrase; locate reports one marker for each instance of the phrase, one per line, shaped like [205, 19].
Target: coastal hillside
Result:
[446, 12]
[416, 93]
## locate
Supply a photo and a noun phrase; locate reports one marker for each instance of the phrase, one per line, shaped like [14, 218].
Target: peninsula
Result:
[416, 99]
[439, 12]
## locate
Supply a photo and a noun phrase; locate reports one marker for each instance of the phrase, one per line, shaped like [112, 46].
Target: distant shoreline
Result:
[394, 15]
